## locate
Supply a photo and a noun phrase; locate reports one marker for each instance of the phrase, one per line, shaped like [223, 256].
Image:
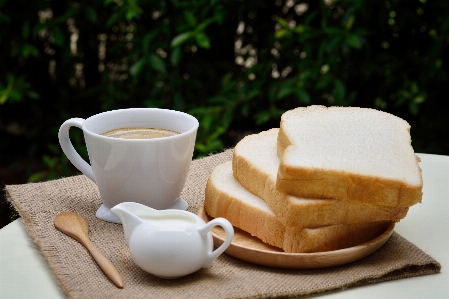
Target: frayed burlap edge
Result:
[60, 269]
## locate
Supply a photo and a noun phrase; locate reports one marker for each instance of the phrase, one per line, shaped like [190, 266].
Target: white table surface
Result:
[24, 272]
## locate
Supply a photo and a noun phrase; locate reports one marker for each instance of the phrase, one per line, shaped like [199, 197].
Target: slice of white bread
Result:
[348, 153]
[225, 197]
[255, 166]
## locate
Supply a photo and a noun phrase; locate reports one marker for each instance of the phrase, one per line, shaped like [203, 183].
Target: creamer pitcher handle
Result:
[69, 150]
[227, 226]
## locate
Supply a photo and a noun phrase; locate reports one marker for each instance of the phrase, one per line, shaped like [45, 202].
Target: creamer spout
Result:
[127, 212]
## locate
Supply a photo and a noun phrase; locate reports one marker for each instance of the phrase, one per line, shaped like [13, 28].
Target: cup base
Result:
[180, 204]
[104, 213]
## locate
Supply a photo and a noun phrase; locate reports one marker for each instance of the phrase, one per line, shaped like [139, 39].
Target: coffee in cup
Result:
[139, 133]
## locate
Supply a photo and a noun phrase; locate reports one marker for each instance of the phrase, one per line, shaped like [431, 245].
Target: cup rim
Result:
[87, 131]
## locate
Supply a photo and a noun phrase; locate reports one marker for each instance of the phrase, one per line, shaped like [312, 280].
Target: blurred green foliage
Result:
[236, 65]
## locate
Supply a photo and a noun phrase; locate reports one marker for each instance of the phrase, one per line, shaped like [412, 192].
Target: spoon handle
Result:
[105, 265]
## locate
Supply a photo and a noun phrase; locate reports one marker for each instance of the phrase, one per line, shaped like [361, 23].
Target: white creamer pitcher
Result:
[170, 243]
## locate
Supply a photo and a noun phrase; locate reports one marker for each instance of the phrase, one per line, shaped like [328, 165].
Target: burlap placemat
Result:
[228, 277]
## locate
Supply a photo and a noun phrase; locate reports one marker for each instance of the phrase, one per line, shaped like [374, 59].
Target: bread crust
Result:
[316, 181]
[322, 183]
[245, 211]
[292, 211]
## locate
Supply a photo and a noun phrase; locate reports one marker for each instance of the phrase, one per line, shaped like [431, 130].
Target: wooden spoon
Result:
[75, 226]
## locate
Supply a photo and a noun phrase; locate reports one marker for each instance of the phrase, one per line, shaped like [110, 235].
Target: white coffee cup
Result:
[147, 171]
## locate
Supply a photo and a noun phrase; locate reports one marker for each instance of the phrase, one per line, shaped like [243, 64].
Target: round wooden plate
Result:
[251, 249]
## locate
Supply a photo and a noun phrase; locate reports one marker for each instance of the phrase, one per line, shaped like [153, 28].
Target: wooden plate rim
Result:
[300, 260]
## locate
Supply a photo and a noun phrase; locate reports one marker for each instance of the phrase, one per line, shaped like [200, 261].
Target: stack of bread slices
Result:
[327, 179]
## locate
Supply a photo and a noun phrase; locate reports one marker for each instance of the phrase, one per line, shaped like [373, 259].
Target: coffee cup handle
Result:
[227, 226]
[69, 150]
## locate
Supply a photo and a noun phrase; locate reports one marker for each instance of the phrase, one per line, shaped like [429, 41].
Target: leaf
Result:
[323, 82]
[219, 16]
[3, 97]
[202, 40]
[281, 33]
[36, 177]
[59, 38]
[285, 91]
[218, 100]
[50, 161]
[181, 38]
[303, 96]
[272, 91]
[15, 95]
[350, 98]
[379, 103]
[245, 109]
[310, 17]
[90, 14]
[131, 13]
[282, 22]
[203, 25]
[4, 18]
[53, 175]
[112, 20]
[334, 44]
[157, 63]
[350, 22]
[29, 50]
[201, 147]
[209, 146]
[262, 117]
[175, 56]
[53, 148]
[333, 30]
[354, 41]
[148, 38]
[252, 94]
[33, 95]
[339, 92]
[360, 32]
[299, 29]
[207, 121]
[5, 93]
[414, 88]
[190, 17]
[15, 51]
[413, 107]
[178, 101]
[26, 30]
[137, 67]
[227, 119]
[226, 79]
[72, 12]
[419, 99]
